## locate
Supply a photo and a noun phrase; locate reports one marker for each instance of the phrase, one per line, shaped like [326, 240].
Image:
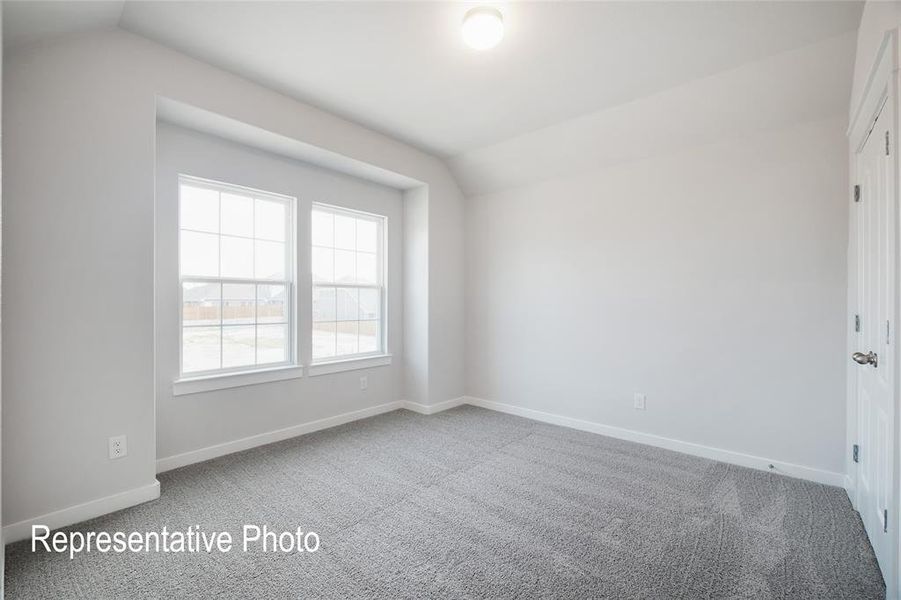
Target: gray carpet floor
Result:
[476, 504]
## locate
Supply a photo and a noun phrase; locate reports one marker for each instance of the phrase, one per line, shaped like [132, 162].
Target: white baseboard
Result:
[196, 456]
[95, 508]
[82, 512]
[210, 452]
[431, 409]
[728, 456]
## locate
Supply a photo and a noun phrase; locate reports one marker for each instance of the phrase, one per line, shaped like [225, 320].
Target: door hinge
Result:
[857, 323]
[855, 453]
[886, 144]
[887, 333]
[885, 520]
[857, 193]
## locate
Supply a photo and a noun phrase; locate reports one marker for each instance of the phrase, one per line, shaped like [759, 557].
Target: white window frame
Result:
[290, 282]
[380, 357]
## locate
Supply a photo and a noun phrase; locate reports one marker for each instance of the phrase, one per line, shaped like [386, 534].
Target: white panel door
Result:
[875, 218]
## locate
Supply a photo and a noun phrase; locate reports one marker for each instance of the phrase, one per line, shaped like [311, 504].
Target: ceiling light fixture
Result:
[483, 28]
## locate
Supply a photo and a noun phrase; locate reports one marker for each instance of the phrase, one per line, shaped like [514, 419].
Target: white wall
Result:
[805, 84]
[191, 422]
[79, 124]
[446, 285]
[416, 294]
[712, 280]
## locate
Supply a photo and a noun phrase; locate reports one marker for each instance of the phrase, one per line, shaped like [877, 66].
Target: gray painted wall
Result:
[416, 294]
[712, 280]
[79, 134]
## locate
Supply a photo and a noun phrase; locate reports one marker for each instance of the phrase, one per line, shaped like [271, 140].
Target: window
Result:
[236, 273]
[348, 283]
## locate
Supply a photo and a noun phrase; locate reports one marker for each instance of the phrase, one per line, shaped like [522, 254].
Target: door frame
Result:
[882, 87]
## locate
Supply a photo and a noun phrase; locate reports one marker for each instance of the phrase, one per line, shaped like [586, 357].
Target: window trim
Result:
[290, 282]
[345, 362]
[222, 381]
[349, 364]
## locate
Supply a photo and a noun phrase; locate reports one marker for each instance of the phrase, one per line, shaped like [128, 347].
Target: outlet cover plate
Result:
[640, 401]
[118, 447]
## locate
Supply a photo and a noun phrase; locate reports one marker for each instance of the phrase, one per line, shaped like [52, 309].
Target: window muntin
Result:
[235, 267]
[347, 256]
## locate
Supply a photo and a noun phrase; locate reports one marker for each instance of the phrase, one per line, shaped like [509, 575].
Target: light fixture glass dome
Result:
[483, 28]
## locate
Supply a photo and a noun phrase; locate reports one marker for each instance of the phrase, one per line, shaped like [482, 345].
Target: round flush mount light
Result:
[483, 28]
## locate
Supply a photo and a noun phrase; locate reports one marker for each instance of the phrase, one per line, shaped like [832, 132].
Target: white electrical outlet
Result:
[639, 400]
[118, 446]
[364, 382]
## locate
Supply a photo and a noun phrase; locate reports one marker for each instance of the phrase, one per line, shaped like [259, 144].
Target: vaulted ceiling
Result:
[401, 68]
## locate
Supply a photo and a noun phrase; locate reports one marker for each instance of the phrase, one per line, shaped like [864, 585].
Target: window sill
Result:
[350, 364]
[209, 383]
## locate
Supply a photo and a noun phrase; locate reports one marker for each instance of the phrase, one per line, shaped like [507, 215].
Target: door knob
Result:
[869, 358]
